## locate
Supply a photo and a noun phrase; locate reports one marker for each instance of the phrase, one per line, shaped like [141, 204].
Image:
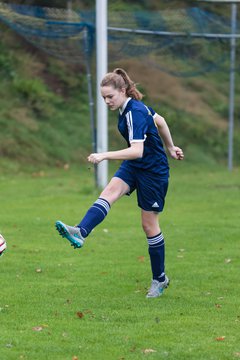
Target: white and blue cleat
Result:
[157, 288]
[71, 233]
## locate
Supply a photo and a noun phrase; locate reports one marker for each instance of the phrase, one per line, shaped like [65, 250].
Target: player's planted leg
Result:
[156, 251]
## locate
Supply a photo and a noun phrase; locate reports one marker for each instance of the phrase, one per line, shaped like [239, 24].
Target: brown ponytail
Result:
[119, 79]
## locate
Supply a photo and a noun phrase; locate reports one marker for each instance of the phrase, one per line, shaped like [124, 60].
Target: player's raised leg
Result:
[76, 235]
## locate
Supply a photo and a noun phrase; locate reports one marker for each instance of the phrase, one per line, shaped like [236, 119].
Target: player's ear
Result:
[123, 91]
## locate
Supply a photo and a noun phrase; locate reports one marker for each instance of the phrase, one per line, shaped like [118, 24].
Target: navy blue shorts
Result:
[151, 188]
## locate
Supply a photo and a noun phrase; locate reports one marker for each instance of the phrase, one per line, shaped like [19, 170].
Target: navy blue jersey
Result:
[136, 124]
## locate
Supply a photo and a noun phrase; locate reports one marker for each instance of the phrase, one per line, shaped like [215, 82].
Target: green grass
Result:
[90, 304]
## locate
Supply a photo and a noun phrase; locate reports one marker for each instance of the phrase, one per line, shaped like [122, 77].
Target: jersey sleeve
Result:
[153, 113]
[137, 126]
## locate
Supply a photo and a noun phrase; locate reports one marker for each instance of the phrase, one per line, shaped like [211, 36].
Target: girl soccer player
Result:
[144, 169]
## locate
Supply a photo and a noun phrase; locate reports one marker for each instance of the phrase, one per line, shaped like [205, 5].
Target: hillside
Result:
[44, 112]
[44, 115]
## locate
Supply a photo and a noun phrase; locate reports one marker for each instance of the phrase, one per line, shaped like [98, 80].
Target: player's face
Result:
[114, 98]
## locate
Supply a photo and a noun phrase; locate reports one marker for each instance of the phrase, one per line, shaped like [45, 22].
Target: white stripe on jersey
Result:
[141, 140]
[149, 112]
[130, 129]
[129, 125]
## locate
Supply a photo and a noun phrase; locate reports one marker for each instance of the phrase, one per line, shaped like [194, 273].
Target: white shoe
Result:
[157, 288]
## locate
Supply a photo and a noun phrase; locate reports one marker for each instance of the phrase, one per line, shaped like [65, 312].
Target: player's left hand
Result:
[176, 153]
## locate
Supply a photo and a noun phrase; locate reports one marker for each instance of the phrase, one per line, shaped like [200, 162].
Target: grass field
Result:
[57, 303]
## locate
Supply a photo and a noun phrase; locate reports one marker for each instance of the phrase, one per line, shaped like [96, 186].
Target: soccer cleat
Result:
[3, 245]
[71, 233]
[157, 288]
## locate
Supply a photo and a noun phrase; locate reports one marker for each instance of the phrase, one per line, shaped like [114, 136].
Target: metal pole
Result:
[69, 9]
[176, 33]
[69, 5]
[90, 96]
[232, 85]
[102, 118]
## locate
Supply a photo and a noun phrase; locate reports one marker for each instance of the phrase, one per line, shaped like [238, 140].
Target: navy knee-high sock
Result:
[94, 216]
[156, 251]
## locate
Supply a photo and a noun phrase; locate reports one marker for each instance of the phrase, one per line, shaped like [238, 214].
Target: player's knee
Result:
[110, 193]
[151, 228]
[146, 225]
[114, 190]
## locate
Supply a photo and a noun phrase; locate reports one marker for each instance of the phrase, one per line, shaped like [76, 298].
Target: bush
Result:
[38, 97]
[6, 64]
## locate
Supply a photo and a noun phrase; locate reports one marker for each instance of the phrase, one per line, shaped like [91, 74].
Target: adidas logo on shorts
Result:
[155, 205]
